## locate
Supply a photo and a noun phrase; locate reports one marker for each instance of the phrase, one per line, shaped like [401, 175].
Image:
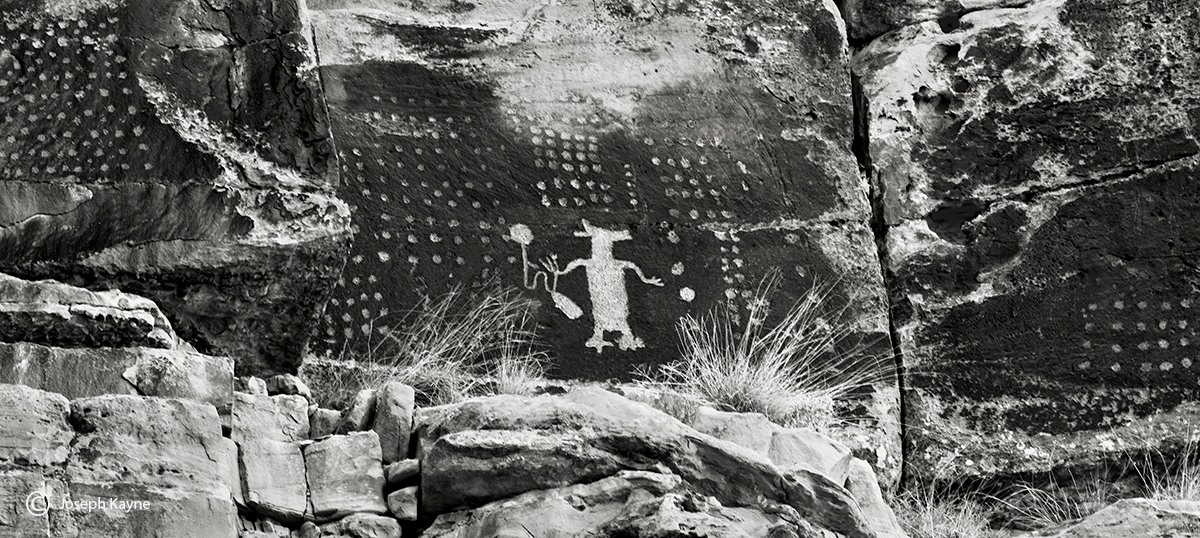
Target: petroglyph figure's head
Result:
[603, 235]
[521, 234]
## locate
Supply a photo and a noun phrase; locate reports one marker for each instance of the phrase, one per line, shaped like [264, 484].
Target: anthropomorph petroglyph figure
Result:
[606, 284]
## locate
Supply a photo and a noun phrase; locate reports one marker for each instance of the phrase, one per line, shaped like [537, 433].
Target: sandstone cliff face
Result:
[179, 150]
[1035, 170]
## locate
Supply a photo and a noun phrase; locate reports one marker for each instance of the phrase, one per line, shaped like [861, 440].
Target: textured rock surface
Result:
[870, 18]
[274, 479]
[1131, 518]
[177, 150]
[345, 475]
[33, 426]
[1036, 174]
[484, 450]
[404, 503]
[165, 453]
[393, 419]
[80, 373]
[750, 430]
[56, 314]
[704, 143]
[277, 418]
[363, 526]
[16, 519]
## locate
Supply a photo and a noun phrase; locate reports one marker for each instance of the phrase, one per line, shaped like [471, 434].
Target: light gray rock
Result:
[751, 430]
[345, 475]
[288, 384]
[230, 464]
[400, 472]
[165, 453]
[1137, 518]
[83, 373]
[33, 426]
[322, 422]
[394, 403]
[251, 385]
[273, 473]
[363, 526]
[279, 418]
[16, 486]
[403, 503]
[56, 314]
[358, 417]
[864, 488]
[807, 449]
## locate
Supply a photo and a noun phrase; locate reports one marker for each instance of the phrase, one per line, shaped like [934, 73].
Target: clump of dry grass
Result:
[453, 347]
[924, 514]
[793, 373]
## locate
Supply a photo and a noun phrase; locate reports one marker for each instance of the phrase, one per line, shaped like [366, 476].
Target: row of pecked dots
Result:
[574, 156]
[1164, 333]
[593, 120]
[681, 175]
[433, 194]
[62, 69]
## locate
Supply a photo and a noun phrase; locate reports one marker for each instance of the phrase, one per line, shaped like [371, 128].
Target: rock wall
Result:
[180, 150]
[1036, 173]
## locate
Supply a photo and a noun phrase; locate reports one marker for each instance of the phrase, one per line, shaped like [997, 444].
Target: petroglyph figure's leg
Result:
[597, 341]
[629, 342]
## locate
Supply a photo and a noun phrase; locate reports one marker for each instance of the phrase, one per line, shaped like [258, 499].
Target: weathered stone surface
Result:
[393, 419]
[589, 433]
[274, 479]
[288, 384]
[1036, 171]
[164, 150]
[632, 503]
[322, 422]
[863, 486]
[396, 474]
[33, 426]
[277, 418]
[229, 462]
[250, 385]
[806, 449]
[363, 526]
[359, 415]
[703, 143]
[56, 314]
[1132, 518]
[345, 475]
[17, 518]
[751, 430]
[165, 453]
[403, 503]
[866, 19]
[82, 373]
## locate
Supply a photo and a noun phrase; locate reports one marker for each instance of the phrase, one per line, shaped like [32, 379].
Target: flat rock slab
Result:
[165, 455]
[83, 373]
[24, 495]
[1038, 182]
[33, 426]
[274, 478]
[57, 314]
[345, 475]
[393, 419]
[277, 418]
[1134, 518]
[191, 163]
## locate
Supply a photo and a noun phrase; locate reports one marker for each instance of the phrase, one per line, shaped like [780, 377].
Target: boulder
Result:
[1037, 183]
[807, 449]
[1134, 518]
[345, 475]
[273, 475]
[322, 422]
[194, 168]
[750, 430]
[863, 486]
[288, 384]
[393, 418]
[402, 471]
[33, 426]
[160, 457]
[60, 315]
[83, 373]
[403, 503]
[363, 526]
[24, 503]
[472, 453]
[358, 417]
[278, 418]
[250, 385]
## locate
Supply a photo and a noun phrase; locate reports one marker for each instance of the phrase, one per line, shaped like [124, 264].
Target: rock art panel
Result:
[1036, 172]
[177, 150]
[625, 165]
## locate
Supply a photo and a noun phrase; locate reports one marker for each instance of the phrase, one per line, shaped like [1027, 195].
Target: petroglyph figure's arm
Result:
[575, 264]
[651, 281]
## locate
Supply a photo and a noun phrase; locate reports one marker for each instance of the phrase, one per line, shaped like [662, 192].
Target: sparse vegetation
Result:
[926, 514]
[793, 372]
[452, 347]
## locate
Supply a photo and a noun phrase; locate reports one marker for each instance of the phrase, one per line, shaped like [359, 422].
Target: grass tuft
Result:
[924, 514]
[793, 373]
